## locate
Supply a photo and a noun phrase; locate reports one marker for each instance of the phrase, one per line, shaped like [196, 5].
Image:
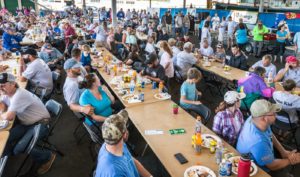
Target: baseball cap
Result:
[30, 51]
[151, 58]
[232, 96]
[262, 107]
[6, 77]
[291, 59]
[114, 127]
[71, 63]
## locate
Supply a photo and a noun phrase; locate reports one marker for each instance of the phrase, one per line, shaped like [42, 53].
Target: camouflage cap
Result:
[114, 127]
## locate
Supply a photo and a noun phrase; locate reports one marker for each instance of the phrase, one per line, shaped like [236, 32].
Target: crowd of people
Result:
[168, 56]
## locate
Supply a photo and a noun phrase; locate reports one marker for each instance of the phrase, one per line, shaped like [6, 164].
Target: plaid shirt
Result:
[225, 125]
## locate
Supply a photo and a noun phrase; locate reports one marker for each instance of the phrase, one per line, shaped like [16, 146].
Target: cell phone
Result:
[181, 159]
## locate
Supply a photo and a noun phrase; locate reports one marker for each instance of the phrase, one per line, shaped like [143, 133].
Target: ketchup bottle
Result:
[244, 166]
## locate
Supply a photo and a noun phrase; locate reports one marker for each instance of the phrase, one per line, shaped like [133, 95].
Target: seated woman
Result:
[189, 95]
[96, 96]
[254, 87]
[228, 120]
[133, 58]
[220, 54]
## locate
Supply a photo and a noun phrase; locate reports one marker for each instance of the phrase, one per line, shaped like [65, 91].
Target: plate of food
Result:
[235, 164]
[116, 80]
[208, 137]
[3, 67]
[122, 92]
[199, 171]
[162, 96]
[3, 124]
[131, 98]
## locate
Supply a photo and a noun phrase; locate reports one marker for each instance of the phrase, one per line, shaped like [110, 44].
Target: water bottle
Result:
[244, 166]
[218, 156]
[132, 86]
[222, 169]
[198, 125]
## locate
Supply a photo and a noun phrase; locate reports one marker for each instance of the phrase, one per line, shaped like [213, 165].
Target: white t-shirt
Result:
[205, 34]
[175, 51]
[290, 103]
[149, 48]
[28, 107]
[206, 51]
[71, 90]
[101, 34]
[270, 68]
[39, 73]
[230, 27]
[164, 61]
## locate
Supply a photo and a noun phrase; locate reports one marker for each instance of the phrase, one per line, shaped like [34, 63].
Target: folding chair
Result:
[30, 146]
[55, 110]
[179, 78]
[3, 161]
[285, 139]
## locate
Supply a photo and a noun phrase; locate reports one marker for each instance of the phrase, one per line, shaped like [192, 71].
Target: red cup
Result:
[175, 110]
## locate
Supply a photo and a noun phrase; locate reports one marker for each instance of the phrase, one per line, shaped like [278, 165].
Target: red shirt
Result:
[69, 31]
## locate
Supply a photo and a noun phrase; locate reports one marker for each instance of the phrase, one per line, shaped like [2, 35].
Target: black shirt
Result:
[157, 72]
[169, 19]
[238, 62]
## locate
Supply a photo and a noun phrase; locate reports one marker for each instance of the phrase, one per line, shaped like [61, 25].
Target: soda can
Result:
[141, 96]
[153, 85]
[228, 167]
[143, 84]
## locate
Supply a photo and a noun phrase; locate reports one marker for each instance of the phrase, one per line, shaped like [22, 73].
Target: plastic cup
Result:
[175, 110]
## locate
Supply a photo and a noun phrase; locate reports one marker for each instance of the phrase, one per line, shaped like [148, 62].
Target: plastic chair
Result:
[30, 146]
[3, 161]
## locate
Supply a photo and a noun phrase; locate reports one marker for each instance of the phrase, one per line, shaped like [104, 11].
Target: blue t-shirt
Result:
[101, 107]
[241, 36]
[281, 34]
[189, 91]
[259, 144]
[110, 165]
[85, 60]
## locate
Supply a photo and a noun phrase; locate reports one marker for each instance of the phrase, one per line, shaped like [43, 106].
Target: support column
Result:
[36, 7]
[63, 3]
[261, 6]
[184, 3]
[2, 3]
[20, 4]
[84, 7]
[150, 1]
[114, 12]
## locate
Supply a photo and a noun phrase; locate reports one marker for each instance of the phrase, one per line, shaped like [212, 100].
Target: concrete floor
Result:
[77, 160]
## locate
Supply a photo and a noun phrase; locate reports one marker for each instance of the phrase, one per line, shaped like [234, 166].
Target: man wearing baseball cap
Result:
[114, 158]
[291, 71]
[154, 71]
[71, 87]
[11, 40]
[36, 71]
[30, 111]
[256, 139]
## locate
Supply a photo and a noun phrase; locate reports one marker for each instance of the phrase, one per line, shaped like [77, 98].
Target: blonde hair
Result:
[86, 48]
[194, 73]
[164, 45]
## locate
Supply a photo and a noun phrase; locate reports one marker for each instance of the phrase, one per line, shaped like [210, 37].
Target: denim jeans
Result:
[19, 139]
[257, 47]
[200, 109]
[185, 30]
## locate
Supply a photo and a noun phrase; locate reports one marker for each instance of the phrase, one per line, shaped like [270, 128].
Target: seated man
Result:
[71, 87]
[150, 48]
[266, 63]
[154, 71]
[186, 59]
[11, 40]
[36, 71]
[206, 50]
[260, 145]
[290, 104]
[114, 158]
[291, 71]
[254, 87]
[238, 59]
[30, 111]
[51, 56]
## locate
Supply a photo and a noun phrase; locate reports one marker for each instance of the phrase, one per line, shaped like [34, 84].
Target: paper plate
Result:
[208, 137]
[196, 171]
[235, 161]
[162, 96]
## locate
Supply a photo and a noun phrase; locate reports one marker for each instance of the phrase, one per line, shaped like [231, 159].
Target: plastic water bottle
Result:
[132, 86]
[218, 156]
[222, 169]
[198, 125]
